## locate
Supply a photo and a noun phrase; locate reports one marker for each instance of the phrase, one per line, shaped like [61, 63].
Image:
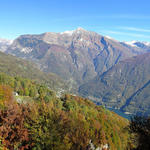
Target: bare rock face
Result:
[102, 147]
[77, 56]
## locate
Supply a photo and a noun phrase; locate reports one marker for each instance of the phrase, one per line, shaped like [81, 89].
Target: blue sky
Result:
[123, 20]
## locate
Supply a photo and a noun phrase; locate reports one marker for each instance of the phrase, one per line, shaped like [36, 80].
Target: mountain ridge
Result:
[18, 67]
[121, 85]
[77, 55]
[89, 61]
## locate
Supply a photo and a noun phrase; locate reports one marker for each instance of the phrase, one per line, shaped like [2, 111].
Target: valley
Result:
[74, 75]
[112, 73]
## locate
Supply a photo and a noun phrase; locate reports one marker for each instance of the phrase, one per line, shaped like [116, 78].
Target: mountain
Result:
[77, 56]
[125, 86]
[142, 46]
[4, 43]
[14, 66]
[111, 72]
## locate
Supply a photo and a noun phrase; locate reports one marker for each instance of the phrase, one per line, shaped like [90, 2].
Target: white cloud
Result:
[127, 34]
[135, 29]
[94, 17]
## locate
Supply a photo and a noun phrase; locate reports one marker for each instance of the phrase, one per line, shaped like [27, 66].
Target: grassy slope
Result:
[17, 67]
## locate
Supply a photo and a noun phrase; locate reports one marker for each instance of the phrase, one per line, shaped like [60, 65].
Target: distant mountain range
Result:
[144, 46]
[110, 72]
[4, 44]
[77, 55]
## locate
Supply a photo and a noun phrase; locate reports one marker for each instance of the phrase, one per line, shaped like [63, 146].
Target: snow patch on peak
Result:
[134, 43]
[81, 39]
[27, 50]
[131, 43]
[68, 32]
[8, 42]
[4, 44]
[146, 43]
[110, 38]
[80, 29]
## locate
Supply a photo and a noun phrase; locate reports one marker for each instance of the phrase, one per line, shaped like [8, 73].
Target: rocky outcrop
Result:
[101, 147]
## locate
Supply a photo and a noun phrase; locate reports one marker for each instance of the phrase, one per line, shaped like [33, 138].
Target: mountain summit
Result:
[78, 30]
[93, 65]
[77, 56]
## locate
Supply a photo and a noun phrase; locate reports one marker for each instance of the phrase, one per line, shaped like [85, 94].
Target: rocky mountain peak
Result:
[77, 55]
[144, 46]
[81, 29]
[71, 32]
[131, 43]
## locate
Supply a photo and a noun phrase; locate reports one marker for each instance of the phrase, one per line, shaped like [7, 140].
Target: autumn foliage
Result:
[51, 123]
[13, 131]
[5, 95]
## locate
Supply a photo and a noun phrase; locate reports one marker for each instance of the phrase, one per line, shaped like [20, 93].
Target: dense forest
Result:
[40, 120]
[33, 117]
